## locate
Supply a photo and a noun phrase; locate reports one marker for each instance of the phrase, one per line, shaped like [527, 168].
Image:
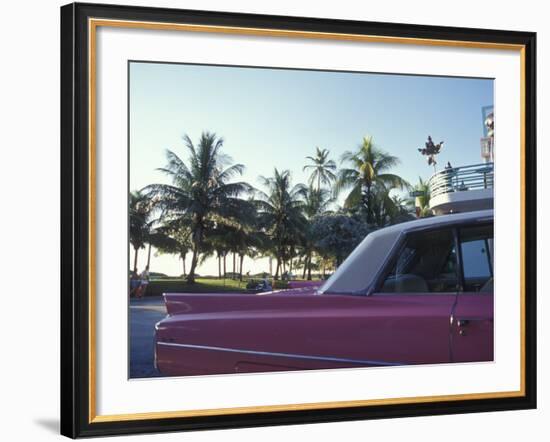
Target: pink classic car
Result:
[420, 292]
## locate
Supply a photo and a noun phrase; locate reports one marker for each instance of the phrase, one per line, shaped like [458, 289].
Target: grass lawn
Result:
[202, 285]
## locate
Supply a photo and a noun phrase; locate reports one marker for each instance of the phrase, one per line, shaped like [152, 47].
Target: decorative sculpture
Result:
[430, 151]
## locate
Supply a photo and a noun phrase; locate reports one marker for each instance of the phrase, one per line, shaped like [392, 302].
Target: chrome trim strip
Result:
[283, 355]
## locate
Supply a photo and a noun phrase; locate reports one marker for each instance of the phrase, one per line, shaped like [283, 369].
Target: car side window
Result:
[476, 245]
[425, 264]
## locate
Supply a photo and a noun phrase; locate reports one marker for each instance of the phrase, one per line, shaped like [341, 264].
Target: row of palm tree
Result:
[141, 222]
[206, 210]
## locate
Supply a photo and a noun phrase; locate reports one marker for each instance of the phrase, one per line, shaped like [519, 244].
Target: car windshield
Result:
[358, 271]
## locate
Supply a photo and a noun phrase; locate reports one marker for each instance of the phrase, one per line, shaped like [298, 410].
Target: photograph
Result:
[278, 220]
[286, 219]
[275, 221]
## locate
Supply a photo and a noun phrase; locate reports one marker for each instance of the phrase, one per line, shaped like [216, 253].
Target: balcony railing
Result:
[461, 179]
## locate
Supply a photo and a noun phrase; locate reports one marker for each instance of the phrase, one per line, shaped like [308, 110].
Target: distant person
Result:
[135, 283]
[144, 279]
[449, 174]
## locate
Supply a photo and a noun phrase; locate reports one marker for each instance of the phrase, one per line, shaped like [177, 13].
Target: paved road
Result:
[144, 314]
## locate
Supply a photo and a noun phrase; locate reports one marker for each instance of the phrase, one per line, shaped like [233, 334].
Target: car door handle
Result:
[463, 322]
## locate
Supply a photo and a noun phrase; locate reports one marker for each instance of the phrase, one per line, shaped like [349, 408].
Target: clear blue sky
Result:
[274, 118]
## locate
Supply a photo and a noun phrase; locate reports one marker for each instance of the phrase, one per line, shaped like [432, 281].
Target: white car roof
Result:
[360, 268]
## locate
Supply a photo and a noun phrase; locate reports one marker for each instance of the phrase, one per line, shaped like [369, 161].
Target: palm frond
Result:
[231, 172]
[354, 198]
[394, 181]
[386, 162]
[346, 178]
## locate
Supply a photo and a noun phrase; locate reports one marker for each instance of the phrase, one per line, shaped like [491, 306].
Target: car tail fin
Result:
[181, 303]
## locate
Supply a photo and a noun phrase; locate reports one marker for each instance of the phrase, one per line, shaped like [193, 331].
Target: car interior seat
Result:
[407, 283]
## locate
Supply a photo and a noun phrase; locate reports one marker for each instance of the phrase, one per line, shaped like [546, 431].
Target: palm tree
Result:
[219, 240]
[281, 210]
[402, 209]
[389, 209]
[140, 211]
[172, 239]
[249, 239]
[249, 242]
[423, 200]
[369, 172]
[323, 169]
[316, 202]
[202, 194]
[239, 239]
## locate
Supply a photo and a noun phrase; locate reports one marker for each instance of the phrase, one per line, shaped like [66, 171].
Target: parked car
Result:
[420, 292]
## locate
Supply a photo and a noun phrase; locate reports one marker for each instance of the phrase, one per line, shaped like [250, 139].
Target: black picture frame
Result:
[75, 220]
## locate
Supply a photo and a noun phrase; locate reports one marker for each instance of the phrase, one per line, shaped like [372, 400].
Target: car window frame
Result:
[461, 264]
[401, 243]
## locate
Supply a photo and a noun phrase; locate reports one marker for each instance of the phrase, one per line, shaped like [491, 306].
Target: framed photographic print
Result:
[273, 220]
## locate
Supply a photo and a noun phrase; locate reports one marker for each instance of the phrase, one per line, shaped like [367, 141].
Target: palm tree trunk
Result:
[183, 256]
[305, 268]
[196, 242]
[234, 270]
[149, 256]
[219, 266]
[241, 268]
[194, 261]
[368, 204]
[277, 268]
[309, 267]
[224, 263]
[135, 259]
